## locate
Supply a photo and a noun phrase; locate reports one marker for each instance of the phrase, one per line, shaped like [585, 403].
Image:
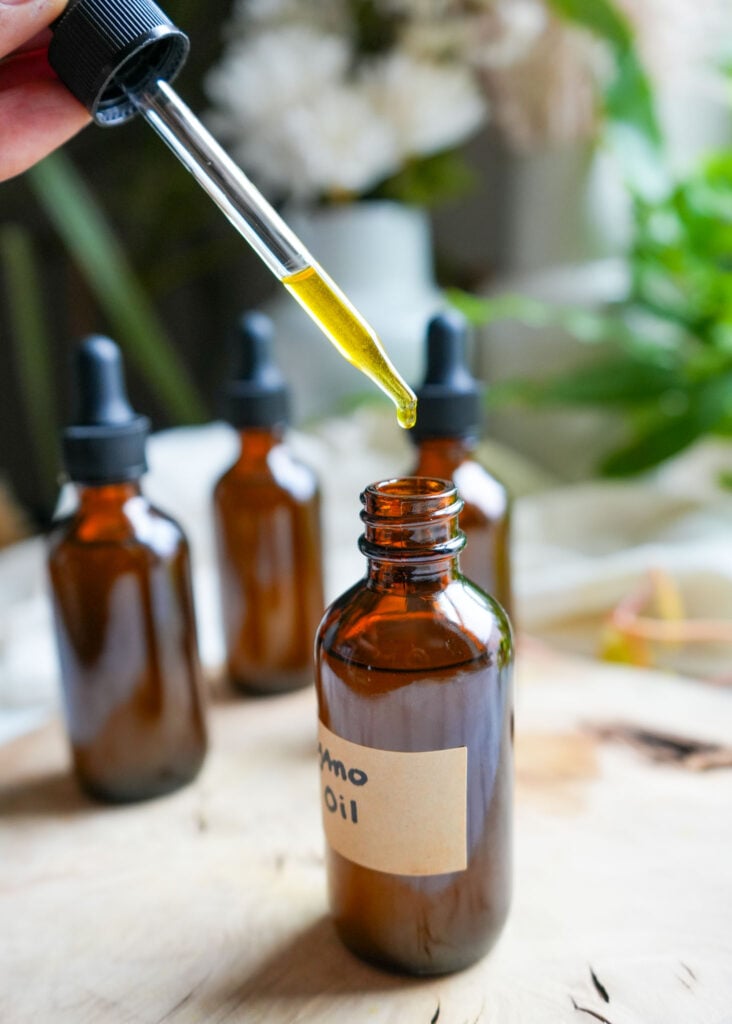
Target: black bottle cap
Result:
[449, 400]
[106, 442]
[103, 48]
[257, 395]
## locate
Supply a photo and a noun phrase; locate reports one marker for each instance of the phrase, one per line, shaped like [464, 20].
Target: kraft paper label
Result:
[402, 813]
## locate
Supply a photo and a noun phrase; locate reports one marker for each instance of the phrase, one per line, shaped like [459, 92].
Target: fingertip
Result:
[21, 20]
[35, 119]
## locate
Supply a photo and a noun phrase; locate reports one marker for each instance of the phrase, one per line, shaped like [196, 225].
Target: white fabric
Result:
[582, 549]
[578, 549]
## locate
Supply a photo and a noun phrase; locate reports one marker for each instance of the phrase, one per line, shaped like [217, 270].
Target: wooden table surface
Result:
[209, 905]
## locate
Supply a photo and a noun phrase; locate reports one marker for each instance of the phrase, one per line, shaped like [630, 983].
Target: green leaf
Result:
[29, 337]
[631, 124]
[583, 324]
[632, 131]
[647, 338]
[669, 434]
[616, 382]
[600, 17]
[81, 223]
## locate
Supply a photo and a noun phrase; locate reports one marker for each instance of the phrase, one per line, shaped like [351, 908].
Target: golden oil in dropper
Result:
[321, 298]
[275, 243]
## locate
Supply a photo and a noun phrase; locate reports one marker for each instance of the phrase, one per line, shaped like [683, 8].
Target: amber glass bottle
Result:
[267, 522]
[123, 608]
[446, 434]
[413, 675]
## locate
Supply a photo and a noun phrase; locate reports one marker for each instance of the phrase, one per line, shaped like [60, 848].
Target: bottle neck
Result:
[411, 532]
[255, 443]
[96, 497]
[439, 456]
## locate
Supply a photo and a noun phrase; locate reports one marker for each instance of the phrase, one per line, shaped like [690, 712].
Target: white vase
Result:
[380, 255]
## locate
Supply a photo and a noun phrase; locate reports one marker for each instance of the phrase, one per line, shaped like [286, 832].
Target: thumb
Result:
[20, 20]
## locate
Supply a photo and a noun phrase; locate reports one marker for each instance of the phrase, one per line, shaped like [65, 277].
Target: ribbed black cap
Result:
[257, 395]
[106, 442]
[103, 48]
[449, 400]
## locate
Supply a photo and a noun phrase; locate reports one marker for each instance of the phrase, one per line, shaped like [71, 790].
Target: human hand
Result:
[37, 112]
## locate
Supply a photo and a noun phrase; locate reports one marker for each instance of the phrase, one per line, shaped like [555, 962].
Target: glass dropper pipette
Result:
[273, 241]
[118, 57]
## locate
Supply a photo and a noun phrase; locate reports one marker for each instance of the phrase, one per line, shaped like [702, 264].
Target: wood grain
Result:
[209, 905]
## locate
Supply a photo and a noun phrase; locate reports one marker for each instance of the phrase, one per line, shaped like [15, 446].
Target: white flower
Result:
[431, 106]
[304, 123]
[336, 143]
[309, 111]
[259, 79]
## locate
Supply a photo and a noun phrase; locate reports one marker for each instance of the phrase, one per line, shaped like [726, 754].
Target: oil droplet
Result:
[407, 414]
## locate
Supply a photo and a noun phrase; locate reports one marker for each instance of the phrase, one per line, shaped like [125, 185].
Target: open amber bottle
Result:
[446, 436]
[267, 524]
[123, 605]
[413, 675]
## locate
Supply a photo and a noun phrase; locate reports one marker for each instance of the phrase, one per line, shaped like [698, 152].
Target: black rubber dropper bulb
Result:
[106, 441]
[449, 399]
[257, 395]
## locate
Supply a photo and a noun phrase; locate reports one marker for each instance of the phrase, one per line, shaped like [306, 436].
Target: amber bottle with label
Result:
[267, 523]
[446, 434]
[122, 602]
[413, 675]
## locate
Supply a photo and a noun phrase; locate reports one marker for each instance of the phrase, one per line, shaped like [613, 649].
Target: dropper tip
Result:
[407, 413]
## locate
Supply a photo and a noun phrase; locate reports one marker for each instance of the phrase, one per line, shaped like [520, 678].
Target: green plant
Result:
[670, 371]
[92, 243]
[122, 299]
[29, 338]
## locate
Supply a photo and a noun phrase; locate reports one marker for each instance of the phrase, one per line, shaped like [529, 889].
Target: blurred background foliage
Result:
[668, 370]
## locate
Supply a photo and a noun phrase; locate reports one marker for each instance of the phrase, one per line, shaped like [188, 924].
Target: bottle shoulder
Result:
[134, 524]
[279, 472]
[416, 630]
[484, 493]
[480, 489]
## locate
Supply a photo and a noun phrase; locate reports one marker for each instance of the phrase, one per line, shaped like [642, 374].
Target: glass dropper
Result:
[271, 238]
[118, 58]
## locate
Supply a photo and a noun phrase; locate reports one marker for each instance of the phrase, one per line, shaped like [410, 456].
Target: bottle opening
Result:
[410, 496]
[416, 516]
[412, 486]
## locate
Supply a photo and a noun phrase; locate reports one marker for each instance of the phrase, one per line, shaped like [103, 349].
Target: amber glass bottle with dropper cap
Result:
[123, 605]
[413, 675]
[446, 435]
[267, 522]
